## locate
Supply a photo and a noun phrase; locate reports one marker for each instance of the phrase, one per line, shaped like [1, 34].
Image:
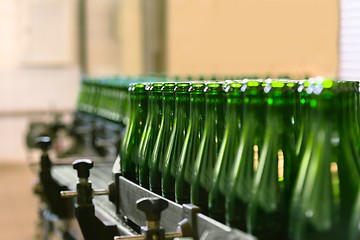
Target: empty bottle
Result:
[246, 161]
[328, 178]
[227, 153]
[158, 153]
[354, 230]
[151, 130]
[130, 145]
[267, 215]
[209, 146]
[87, 101]
[191, 144]
[176, 141]
[348, 152]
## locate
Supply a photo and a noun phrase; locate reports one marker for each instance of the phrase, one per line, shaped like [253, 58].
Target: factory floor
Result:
[18, 216]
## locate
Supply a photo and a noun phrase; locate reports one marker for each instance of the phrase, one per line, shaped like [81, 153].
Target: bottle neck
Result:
[155, 105]
[182, 105]
[254, 105]
[283, 106]
[197, 107]
[348, 109]
[254, 117]
[303, 107]
[215, 110]
[324, 115]
[234, 106]
[168, 108]
[325, 108]
[139, 107]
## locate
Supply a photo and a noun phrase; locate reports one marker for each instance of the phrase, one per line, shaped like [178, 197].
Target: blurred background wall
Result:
[349, 39]
[44, 47]
[259, 36]
[38, 66]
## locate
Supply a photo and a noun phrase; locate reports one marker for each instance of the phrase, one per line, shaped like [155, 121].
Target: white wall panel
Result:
[349, 64]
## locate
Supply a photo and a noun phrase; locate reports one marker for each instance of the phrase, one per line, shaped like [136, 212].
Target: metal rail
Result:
[130, 192]
[170, 217]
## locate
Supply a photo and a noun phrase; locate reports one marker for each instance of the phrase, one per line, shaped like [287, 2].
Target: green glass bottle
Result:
[111, 127]
[107, 122]
[94, 95]
[356, 106]
[124, 101]
[348, 152]
[104, 104]
[350, 107]
[87, 100]
[115, 101]
[84, 118]
[158, 154]
[134, 130]
[315, 176]
[353, 128]
[209, 146]
[227, 153]
[247, 154]
[299, 116]
[354, 230]
[92, 115]
[83, 94]
[150, 132]
[191, 143]
[328, 178]
[268, 210]
[302, 117]
[177, 138]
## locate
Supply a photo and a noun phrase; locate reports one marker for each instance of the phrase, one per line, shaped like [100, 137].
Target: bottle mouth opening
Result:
[213, 85]
[253, 83]
[198, 85]
[172, 84]
[138, 85]
[236, 85]
[157, 84]
[186, 84]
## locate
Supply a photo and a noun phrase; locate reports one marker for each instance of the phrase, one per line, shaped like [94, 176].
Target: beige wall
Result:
[103, 43]
[253, 36]
[130, 34]
[223, 37]
[114, 35]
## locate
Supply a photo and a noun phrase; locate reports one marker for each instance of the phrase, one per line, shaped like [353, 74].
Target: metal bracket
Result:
[189, 214]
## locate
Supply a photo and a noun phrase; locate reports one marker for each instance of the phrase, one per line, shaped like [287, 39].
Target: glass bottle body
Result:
[209, 146]
[227, 153]
[163, 137]
[177, 138]
[150, 133]
[247, 155]
[131, 142]
[268, 211]
[328, 178]
[191, 144]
